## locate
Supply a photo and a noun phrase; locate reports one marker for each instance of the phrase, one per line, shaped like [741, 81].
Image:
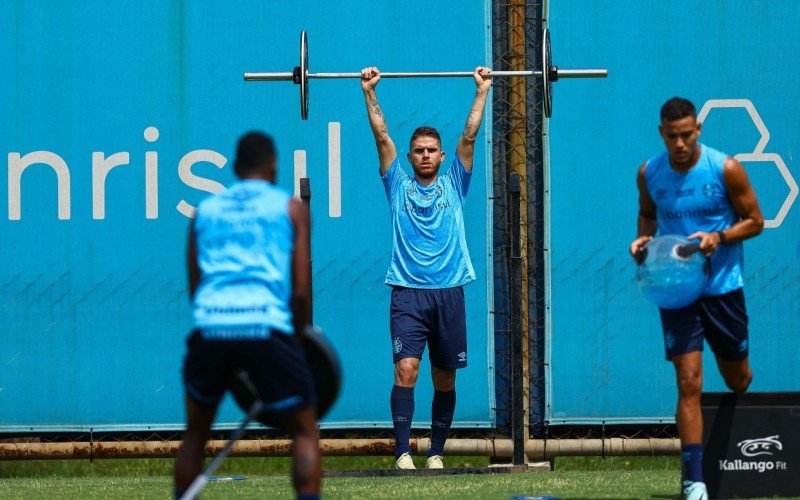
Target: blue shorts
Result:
[276, 365]
[435, 316]
[720, 319]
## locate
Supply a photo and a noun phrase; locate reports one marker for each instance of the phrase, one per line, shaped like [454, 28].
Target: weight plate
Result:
[547, 84]
[303, 75]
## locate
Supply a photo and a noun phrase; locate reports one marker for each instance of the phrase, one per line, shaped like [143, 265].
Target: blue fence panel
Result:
[119, 117]
[607, 358]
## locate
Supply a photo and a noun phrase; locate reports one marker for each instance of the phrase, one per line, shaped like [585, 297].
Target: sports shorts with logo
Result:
[276, 365]
[719, 319]
[433, 316]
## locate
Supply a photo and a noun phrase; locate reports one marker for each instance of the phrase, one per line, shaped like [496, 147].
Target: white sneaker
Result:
[695, 490]
[434, 462]
[404, 461]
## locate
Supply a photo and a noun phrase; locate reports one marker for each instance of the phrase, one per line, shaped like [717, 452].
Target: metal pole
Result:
[517, 394]
[305, 196]
[534, 448]
[517, 163]
[562, 73]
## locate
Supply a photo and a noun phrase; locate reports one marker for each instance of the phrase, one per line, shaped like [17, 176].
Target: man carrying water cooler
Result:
[701, 193]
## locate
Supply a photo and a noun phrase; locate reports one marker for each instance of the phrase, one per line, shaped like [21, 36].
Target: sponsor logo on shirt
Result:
[696, 213]
[442, 205]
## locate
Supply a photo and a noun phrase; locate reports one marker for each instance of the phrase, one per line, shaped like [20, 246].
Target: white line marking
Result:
[334, 170]
[299, 170]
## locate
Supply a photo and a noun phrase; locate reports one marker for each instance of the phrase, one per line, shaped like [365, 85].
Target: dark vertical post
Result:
[305, 196]
[517, 395]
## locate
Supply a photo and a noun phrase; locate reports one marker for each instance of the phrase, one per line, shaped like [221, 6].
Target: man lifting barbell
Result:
[429, 266]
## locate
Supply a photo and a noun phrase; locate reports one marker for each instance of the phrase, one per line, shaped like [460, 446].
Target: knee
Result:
[739, 384]
[406, 372]
[444, 380]
[690, 383]
[302, 425]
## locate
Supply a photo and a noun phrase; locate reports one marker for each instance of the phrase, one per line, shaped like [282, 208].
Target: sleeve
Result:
[393, 179]
[459, 177]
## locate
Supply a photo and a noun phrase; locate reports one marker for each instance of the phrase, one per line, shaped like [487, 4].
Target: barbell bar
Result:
[300, 75]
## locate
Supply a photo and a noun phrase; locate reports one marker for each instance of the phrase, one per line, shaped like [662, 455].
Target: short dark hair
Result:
[254, 150]
[425, 131]
[677, 108]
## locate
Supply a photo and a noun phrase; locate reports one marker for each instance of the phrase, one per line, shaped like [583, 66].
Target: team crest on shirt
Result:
[413, 192]
[397, 345]
[710, 190]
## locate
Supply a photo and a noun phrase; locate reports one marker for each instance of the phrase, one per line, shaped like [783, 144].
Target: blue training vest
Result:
[697, 200]
[429, 248]
[245, 240]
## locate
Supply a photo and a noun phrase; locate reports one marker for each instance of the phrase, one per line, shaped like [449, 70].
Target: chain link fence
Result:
[517, 147]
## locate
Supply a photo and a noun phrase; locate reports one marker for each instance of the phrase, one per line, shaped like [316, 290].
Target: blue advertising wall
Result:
[733, 60]
[119, 117]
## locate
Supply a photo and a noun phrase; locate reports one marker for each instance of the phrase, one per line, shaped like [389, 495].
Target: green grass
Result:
[614, 477]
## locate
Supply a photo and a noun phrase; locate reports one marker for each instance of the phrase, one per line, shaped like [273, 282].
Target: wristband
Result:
[722, 238]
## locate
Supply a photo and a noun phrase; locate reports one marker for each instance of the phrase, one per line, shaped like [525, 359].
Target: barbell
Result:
[549, 74]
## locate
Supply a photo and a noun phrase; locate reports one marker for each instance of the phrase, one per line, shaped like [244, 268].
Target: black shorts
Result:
[276, 365]
[719, 319]
[435, 316]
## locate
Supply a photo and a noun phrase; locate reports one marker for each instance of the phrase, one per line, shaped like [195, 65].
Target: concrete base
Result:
[542, 466]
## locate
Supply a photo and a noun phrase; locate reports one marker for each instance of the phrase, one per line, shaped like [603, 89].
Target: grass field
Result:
[584, 477]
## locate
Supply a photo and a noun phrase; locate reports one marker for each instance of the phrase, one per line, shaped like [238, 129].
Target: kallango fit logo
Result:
[760, 446]
[754, 448]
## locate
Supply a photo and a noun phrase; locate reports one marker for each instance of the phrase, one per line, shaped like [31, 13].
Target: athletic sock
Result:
[179, 494]
[442, 409]
[693, 461]
[402, 412]
[308, 496]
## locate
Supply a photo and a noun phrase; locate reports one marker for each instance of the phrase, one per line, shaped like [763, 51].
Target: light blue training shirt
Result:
[244, 239]
[429, 247]
[697, 200]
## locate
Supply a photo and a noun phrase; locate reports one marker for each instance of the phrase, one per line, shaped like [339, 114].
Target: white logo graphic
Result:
[397, 345]
[462, 356]
[758, 154]
[760, 446]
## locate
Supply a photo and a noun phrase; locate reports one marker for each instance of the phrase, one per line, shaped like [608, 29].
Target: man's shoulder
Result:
[715, 156]
[396, 174]
[656, 159]
[393, 169]
[212, 199]
[457, 163]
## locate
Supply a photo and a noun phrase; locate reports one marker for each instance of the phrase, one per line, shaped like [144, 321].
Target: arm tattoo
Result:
[376, 110]
[471, 128]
